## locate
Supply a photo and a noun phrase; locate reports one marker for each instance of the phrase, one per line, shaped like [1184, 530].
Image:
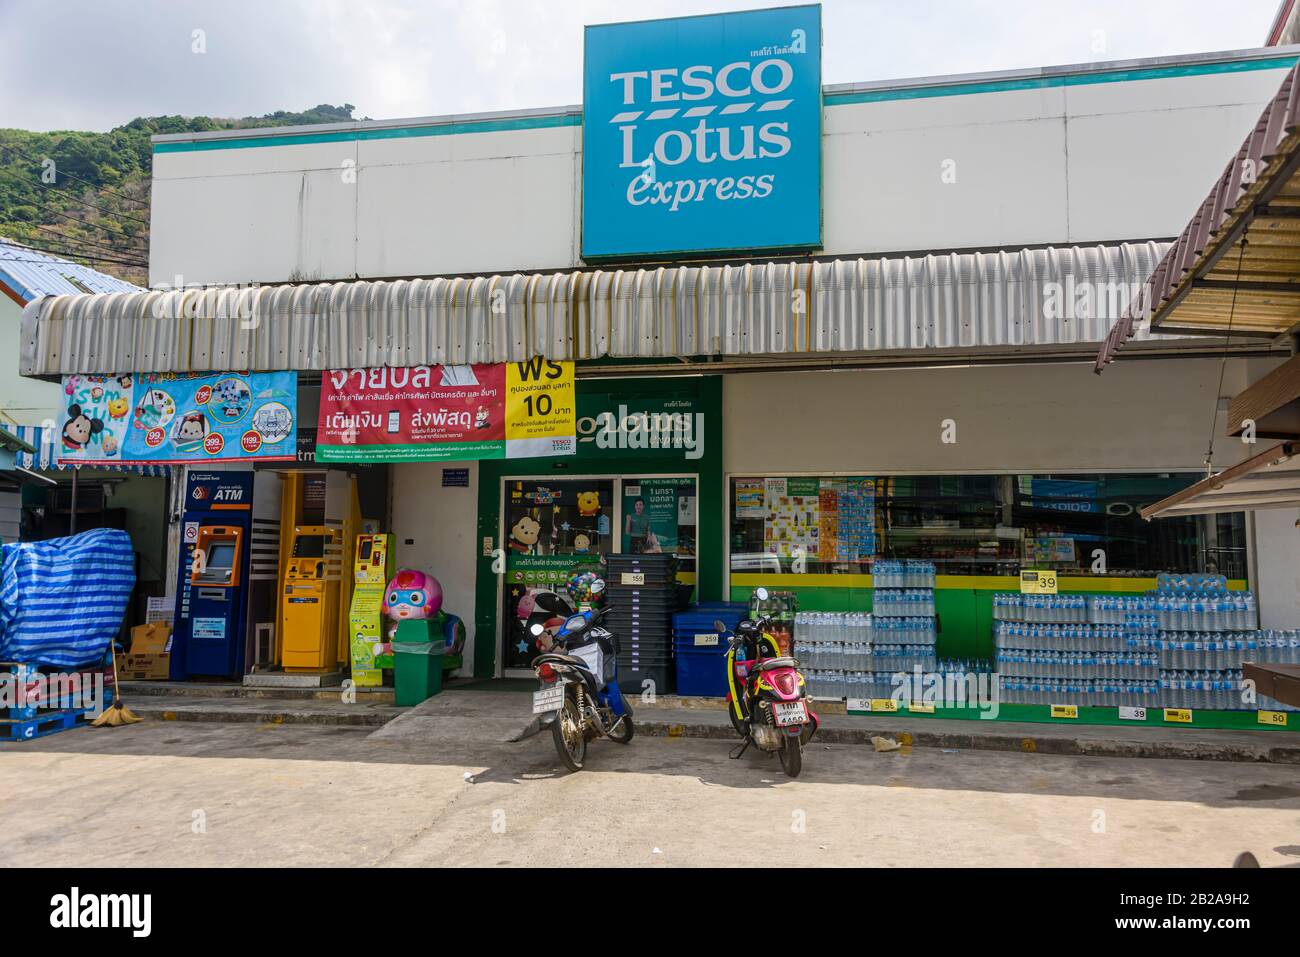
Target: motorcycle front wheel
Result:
[570, 740]
[736, 722]
[623, 730]
[792, 755]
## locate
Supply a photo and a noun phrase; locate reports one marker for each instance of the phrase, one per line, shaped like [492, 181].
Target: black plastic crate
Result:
[654, 646]
[621, 560]
[643, 594]
[631, 632]
[664, 678]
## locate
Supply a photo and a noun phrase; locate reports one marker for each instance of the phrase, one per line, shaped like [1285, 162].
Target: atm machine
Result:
[309, 618]
[212, 587]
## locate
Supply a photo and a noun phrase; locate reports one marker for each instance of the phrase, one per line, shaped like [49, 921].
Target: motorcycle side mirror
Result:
[761, 593]
[536, 629]
[718, 626]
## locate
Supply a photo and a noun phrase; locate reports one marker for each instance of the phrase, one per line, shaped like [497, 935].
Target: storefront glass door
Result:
[550, 526]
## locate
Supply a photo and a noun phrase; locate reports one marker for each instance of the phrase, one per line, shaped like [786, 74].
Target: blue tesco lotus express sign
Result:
[703, 134]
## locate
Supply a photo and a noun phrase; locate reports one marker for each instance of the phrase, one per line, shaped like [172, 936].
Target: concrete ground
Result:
[430, 793]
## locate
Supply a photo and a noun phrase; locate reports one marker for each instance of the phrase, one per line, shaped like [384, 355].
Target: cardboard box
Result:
[150, 656]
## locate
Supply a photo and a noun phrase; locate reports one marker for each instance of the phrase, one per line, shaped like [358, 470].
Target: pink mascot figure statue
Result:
[411, 596]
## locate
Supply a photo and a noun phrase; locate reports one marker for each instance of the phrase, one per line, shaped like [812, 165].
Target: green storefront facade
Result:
[609, 455]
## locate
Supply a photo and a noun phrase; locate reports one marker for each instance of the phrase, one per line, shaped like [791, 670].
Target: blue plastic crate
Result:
[700, 618]
[702, 671]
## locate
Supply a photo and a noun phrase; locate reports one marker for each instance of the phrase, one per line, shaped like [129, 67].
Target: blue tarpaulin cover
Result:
[62, 601]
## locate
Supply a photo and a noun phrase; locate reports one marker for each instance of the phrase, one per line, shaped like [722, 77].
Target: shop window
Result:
[975, 525]
[659, 517]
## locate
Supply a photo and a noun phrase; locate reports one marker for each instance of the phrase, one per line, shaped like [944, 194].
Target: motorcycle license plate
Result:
[789, 712]
[548, 699]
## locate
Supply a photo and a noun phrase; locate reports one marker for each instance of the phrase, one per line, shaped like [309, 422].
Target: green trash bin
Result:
[417, 662]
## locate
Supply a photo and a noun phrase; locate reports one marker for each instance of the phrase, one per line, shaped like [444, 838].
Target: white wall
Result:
[1138, 415]
[1128, 159]
[23, 401]
[1277, 554]
[443, 526]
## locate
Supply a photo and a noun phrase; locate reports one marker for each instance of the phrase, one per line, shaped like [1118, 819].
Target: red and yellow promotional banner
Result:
[429, 413]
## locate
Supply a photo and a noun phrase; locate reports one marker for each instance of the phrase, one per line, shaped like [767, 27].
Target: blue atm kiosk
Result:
[213, 578]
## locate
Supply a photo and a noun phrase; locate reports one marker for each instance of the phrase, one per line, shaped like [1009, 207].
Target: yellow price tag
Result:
[1178, 715]
[1276, 719]
[921, 707]
[1065, 711]
[884, 704]
[1038, 583]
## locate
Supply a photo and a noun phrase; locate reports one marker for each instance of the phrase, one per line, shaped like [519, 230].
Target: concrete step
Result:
[260, 710]
[206, 689]
[668, 718]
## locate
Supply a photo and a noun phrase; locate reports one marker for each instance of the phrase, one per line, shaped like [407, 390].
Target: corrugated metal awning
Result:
[1270, 479]
[976, 301]
[1208, 282]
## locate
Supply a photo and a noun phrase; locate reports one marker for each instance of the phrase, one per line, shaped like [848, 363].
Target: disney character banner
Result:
[174, 419]
[431, 413]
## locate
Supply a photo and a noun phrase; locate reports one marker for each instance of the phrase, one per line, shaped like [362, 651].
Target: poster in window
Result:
[653, 511]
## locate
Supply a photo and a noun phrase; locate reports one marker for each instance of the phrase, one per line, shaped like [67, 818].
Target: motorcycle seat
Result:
[769, 664]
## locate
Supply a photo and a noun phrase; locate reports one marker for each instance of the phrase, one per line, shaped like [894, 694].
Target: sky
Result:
[96, 64]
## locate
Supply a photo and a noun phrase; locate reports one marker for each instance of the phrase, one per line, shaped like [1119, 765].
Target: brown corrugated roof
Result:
[1206, 269]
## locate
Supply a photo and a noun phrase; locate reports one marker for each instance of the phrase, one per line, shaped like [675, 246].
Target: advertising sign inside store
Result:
[703, 133]
[659, 516]
[165, 418]
[432, 413]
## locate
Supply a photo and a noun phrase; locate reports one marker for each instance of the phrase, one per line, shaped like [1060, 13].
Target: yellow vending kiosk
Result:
[309, 622]
[372, 570]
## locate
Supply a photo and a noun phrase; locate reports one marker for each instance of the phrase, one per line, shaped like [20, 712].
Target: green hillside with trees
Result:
[85, 196]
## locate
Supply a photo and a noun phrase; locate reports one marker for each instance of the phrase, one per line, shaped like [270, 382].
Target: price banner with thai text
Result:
[432, 413]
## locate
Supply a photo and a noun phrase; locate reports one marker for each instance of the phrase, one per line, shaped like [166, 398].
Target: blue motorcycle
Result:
[579, 674]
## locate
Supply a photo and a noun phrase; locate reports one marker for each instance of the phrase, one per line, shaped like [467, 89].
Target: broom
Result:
[116, 714]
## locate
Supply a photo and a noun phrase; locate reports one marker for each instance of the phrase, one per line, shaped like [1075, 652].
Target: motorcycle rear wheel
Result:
[570, 741]
[792, 755]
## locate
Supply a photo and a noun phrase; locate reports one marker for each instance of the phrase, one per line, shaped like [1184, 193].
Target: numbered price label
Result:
[1038, 583]
[883, 704]
[1068, 711]
[921, 707]
[1178, 715]
[1274, 719]
[706, 639]
[632, 578]
[856, 704]
[1132, 714]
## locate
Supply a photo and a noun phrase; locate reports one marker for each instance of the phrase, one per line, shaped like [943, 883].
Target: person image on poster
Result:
[637, 530]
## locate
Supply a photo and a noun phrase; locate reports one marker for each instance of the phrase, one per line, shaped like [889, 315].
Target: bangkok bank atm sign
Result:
[703, 134]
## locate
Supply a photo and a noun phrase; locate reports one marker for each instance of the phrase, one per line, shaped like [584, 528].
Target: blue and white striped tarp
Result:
[63, 601]
[46, 458]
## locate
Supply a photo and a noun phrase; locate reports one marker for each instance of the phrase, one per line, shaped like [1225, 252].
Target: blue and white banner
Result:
[703, 134]
[168, 419]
